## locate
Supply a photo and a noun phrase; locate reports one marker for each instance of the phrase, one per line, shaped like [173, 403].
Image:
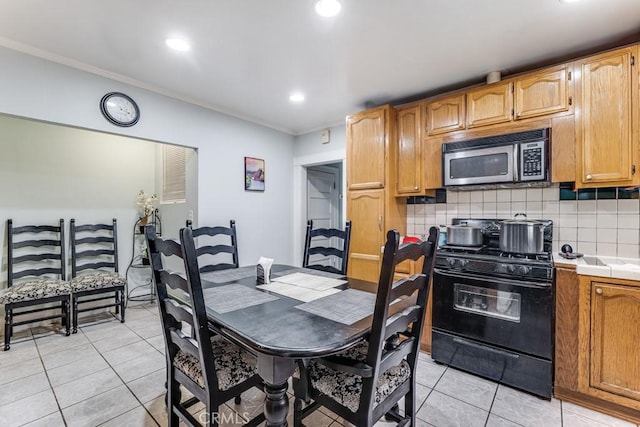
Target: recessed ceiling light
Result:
[328, 8]
[296, 97]
[569, 1]
[178, 44]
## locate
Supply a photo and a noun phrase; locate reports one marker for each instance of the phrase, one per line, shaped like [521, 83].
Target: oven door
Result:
[511, 314]
[480, 166]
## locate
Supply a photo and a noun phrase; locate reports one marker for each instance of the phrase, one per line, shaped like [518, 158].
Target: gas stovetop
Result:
[488, 259]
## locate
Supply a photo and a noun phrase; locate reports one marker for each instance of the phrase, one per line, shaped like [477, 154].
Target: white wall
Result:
[48, 172]
[40, 89]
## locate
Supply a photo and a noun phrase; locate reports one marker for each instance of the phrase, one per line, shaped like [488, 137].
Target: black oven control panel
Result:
[532, 161]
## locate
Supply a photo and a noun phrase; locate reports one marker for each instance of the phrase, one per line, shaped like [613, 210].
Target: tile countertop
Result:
[621, 268]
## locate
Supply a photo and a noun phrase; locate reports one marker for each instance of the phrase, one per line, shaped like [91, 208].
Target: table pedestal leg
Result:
[275, 371]
[276, 405]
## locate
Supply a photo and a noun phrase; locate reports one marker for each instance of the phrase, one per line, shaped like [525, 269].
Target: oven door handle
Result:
[535, 285]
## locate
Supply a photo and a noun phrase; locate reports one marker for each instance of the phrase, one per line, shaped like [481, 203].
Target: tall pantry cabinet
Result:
[371, 205]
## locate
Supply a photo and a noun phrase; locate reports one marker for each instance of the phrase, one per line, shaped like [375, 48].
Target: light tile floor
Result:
[112, 374]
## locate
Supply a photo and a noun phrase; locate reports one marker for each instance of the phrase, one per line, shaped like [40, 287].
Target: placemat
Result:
[229, 275]
[346, 307]
[307, 271]
[223, 299]
[310, 281]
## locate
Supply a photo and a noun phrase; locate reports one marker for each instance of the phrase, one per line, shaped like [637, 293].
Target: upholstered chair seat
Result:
[33, 290]
[233, 365]
[346, 388]
[97, 280]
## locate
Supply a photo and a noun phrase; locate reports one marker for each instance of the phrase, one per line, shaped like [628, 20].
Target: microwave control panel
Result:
[532, 161]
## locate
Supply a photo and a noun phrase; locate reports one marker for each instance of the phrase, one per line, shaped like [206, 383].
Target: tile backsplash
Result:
[596, 226]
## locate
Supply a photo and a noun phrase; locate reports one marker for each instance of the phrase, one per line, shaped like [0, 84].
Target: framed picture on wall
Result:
[253, 174]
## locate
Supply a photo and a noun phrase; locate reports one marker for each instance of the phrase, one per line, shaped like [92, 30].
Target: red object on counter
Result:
[410, 239]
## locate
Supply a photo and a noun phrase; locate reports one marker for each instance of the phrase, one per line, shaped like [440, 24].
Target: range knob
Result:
[464, 262]
[452, 262]
[511, 268]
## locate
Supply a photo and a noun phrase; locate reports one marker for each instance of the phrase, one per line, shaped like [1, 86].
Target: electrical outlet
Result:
[324, 136]
[190, 215]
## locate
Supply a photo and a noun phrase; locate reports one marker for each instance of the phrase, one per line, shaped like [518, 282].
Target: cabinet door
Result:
[615, 316]
[567, 324]
[489, 105]
[409, 155]
[367, 134]
[541, 93]
[366, 211]
[445, 115]
[605, 141]
[432, 148]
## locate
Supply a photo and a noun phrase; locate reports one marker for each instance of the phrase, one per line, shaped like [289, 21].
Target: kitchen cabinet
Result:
[445, 114]
[597, 333]
[432, 161]
[371, 203]
[409, 151]
[542, 92]
[368, 134]
[607, 119]
[490, 104]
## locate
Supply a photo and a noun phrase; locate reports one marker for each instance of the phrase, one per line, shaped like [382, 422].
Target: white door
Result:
[323, 204]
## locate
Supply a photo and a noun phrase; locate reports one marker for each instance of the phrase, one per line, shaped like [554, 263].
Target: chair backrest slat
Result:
[93, 247]
[31, 244]
[173, 312]
[209, 249]
[396, 336]
[339, 252]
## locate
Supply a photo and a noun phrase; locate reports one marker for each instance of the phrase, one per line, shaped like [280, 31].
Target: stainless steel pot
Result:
[521, 236]
[464, 235]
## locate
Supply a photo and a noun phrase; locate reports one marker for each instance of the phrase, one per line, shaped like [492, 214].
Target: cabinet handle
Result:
[589, 176]
[570, 100]
[599, 291]
[380, 222]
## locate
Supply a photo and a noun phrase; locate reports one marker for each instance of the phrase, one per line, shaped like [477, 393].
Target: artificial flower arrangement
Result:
[146, 206]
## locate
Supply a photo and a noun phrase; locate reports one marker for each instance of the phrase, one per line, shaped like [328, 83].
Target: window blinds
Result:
[173, 174]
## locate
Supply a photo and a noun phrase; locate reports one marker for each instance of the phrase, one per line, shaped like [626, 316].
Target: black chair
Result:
[212, 243]
[366, 381]
[94, 269]
[35, 253]
[329, 247]
[211, 368]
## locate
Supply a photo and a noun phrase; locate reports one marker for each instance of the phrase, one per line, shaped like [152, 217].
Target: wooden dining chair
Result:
[94, 269]
[36, 276]
[210, 367]
[212, 243]
[327, 246]
[366, 381]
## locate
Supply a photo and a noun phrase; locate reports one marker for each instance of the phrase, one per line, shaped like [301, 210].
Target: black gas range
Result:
[493, 311]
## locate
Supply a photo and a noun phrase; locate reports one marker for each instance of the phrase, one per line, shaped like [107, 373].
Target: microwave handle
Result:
[516, 162]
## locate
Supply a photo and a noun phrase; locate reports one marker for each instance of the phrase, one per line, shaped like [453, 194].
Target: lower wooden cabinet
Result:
[597, 334]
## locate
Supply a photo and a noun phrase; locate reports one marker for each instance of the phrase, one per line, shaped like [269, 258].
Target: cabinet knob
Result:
[589, 176]
[415, 188]
[599, 291]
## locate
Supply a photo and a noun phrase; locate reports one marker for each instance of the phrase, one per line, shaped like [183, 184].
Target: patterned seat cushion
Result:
[96, 280]
[34, 290]
[233, 365]
[346, 388]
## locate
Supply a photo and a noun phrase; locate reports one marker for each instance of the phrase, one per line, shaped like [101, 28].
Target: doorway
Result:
[323, 203]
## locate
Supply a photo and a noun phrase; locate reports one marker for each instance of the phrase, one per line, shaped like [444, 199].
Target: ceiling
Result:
[248, 56]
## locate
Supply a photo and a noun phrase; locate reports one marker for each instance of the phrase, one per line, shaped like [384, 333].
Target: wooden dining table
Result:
[280, 329]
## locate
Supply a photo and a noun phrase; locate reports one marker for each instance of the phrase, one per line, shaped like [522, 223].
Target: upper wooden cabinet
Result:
[543, 92]
[488, 105]
[409, 151]
[606, 142]
[368, 134]
[445, 114]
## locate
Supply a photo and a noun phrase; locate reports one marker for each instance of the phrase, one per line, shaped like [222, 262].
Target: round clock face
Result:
[119, 109]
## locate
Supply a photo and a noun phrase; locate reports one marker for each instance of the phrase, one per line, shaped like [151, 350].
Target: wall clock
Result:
[120, 109]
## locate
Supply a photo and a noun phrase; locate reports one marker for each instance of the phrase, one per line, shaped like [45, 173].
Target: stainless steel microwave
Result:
[511, 158]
